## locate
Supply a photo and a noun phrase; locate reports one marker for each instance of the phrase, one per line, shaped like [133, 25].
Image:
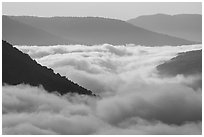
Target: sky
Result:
[116, 10]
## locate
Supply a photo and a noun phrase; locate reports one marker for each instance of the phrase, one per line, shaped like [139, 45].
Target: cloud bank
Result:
[133, 98]
[30, 110]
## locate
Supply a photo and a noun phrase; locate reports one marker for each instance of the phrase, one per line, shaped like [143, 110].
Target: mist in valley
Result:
[132, 97]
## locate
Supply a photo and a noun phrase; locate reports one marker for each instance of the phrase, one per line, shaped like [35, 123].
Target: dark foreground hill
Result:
[186, 26]
[18, 67]
[81, 30]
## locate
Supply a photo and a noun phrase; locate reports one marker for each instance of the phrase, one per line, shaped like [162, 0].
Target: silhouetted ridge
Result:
[18, 67]
[82, 30]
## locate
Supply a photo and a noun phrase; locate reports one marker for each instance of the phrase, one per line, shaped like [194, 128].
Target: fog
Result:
[134, 99]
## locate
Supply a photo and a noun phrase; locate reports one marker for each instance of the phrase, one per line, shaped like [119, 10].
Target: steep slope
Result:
[95, 30]
[19, 33]
[186, 26]
[18, 67]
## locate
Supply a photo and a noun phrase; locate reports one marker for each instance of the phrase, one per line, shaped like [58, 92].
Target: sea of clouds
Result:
[134, 99]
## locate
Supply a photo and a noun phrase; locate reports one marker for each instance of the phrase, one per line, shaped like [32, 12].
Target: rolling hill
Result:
[22, 34]
[81, 30]
[187, 64]
[186, 26]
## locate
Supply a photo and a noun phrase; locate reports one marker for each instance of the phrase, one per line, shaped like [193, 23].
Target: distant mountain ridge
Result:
[186, 26]
[84, 30]
[18, 68]
[22, 34]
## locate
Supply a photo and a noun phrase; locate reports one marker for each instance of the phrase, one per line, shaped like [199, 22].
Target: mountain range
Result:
[18, 68]
[185, 26]
[31, 30]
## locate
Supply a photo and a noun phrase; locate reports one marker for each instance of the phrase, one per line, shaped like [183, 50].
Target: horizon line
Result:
[99, 16]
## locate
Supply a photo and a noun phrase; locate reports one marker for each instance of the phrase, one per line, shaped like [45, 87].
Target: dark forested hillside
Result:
[187, 63]
[18, 68]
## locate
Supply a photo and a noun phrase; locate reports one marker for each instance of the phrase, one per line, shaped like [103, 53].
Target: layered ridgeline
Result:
[18, 67]
[186, 26]
[80, 30]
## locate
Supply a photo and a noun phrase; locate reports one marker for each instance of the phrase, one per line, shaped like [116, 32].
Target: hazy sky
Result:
[118, 10]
